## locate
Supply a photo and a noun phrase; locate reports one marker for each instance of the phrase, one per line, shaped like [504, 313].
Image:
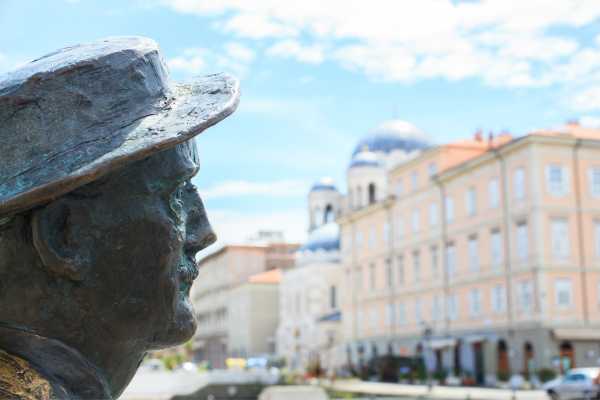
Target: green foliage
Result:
[546, 374]
[503, 376]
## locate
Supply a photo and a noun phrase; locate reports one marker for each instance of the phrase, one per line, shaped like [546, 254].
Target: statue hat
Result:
[74, 115]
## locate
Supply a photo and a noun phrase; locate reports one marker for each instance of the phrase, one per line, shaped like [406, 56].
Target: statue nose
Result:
[199, 232]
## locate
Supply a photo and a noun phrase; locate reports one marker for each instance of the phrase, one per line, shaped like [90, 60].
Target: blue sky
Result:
[316, 76]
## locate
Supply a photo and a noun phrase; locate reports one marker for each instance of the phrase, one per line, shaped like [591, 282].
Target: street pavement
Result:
[437, 392]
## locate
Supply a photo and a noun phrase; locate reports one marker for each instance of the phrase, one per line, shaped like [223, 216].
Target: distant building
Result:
[482, 255]
[229, 277]
[309, 332]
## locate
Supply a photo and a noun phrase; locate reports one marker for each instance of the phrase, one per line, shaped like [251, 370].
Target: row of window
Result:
[560, 250]
[397, 313]
[557, 179]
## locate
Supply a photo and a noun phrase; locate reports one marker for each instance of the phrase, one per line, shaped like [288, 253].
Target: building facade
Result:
[482, 255]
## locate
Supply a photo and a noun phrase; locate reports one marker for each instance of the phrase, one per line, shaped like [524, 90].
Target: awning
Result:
[576, 334]
[440, 343]
[475, 338]
[333, 317]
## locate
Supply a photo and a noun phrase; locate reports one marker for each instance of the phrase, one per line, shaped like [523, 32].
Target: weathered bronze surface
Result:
[99, 220]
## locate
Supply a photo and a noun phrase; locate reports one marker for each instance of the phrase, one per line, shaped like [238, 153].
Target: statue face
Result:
[140, 228]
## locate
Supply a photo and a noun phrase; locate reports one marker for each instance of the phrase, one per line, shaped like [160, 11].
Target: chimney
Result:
[490, 139]
[478, 136]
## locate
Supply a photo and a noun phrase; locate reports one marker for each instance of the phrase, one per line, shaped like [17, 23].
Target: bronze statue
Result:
[99, 221]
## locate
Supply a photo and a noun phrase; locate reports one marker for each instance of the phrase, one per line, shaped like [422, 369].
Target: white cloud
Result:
[598, 40]
[590, 121]
[587, 100]
[502, 42]
[234, 58]
[192, 61]
[290, 48]
[236, 227]
[283, 188]
[240, 52]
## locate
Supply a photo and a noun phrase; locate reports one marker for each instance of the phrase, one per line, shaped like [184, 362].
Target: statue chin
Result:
[182, 327]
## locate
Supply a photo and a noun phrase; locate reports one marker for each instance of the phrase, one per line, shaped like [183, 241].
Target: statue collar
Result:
[69, 373]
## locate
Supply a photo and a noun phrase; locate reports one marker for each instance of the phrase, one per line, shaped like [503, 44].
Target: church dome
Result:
[365, 158]
[323, 184]
[391, 136]
[324, 238]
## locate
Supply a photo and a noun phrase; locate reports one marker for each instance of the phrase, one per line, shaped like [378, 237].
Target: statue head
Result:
[99, 220]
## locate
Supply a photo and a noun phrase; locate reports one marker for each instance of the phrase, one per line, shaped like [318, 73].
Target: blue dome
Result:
[393, 135]
[364, 159]
[323, 184]
[324, 238]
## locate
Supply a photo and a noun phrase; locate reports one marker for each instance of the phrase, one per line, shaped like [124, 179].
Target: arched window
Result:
[359, 199]
[503, 365]
[372, 193]
[317, 217]
[328, 215]
[528, 354]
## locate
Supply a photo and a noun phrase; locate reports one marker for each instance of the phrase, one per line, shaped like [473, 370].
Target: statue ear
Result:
[50, 230]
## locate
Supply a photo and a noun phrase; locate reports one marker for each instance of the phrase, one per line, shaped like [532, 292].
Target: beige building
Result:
[224, 281]
[483, 254]
[254, 315]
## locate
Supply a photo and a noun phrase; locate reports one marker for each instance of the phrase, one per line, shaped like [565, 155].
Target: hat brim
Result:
[192, 108]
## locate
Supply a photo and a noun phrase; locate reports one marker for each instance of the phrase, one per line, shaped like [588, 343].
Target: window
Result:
[386, 233]
[471, 201]
[473, 253]
[401, 314]
[418, 311]
[594, 177]
[372, 193]
[450, 260]
[333, 297]
[436, 308]
[556, 180]
[359, 239]
[399, 227]
[519, 184]
[452, 304]
[526, 296]
[417, 265]
[499, 299]
[372, 271]
[449, 209]
[433, 214]
[474, 302]
[415, 220]
[414, 178]
[390, 314]
[496, 250]
[522, 241]
[350, 199]
[400, 269]
[597, 236]
[563, 290]
[560, 238]
[433, 250]
[493, 193]
[372, 237]
[432, 168]
[359, 197]
[373, 319]
[389, 272]
[399, 188]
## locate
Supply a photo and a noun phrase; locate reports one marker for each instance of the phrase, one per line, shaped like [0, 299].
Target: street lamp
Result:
[427, 334]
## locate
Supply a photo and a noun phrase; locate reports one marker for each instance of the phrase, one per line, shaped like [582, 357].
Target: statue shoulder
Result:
[19, 381]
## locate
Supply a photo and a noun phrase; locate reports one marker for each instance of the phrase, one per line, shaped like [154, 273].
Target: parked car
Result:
[578, 383]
